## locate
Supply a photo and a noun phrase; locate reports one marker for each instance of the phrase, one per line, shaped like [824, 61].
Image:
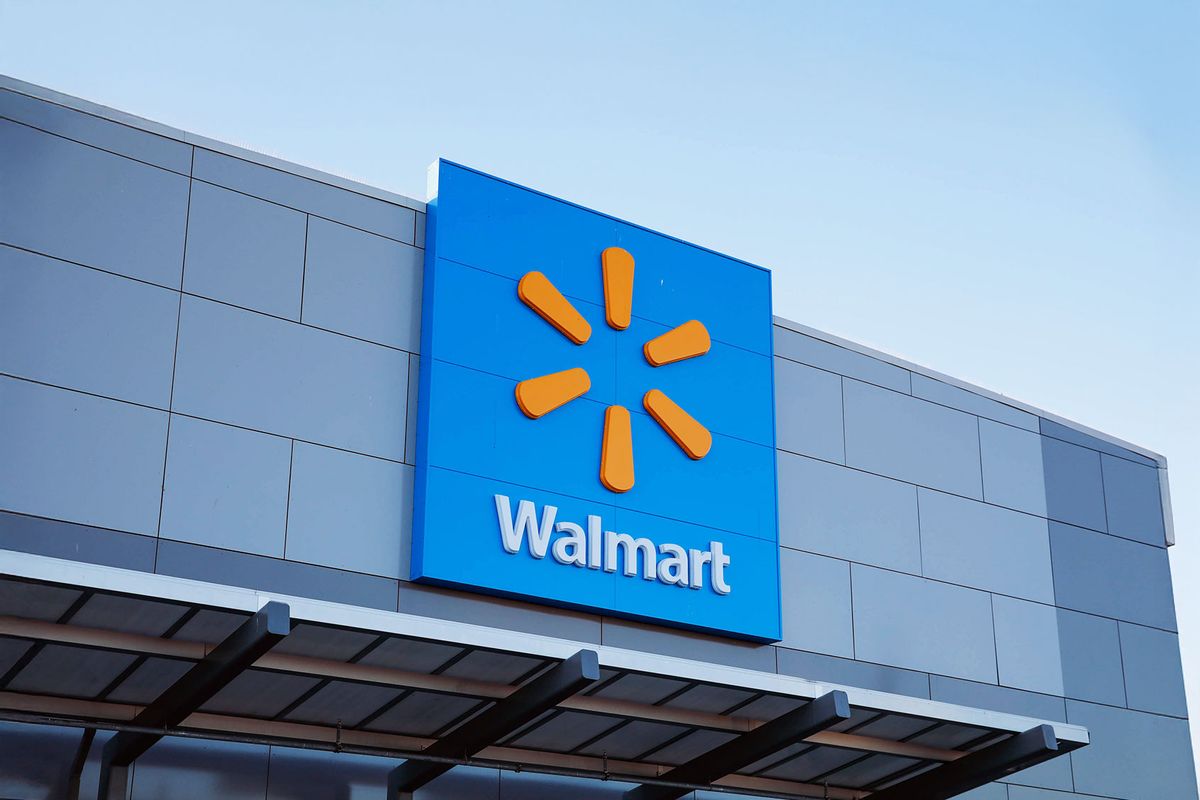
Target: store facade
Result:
[309, 489]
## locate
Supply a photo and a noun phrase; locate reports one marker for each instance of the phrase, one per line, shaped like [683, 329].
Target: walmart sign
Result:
[595, 414]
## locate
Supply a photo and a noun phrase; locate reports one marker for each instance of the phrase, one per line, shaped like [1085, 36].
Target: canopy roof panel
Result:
[109, 648]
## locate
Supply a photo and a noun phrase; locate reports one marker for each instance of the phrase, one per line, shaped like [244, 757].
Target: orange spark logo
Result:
[539, 396]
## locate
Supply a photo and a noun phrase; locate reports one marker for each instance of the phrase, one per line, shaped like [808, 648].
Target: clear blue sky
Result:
[1008, 192]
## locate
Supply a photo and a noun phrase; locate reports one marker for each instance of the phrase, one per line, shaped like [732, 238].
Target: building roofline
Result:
[157, 128]
[149, 126]
[920, 369]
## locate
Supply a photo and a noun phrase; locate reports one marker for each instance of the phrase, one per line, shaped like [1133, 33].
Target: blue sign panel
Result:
[596, 421]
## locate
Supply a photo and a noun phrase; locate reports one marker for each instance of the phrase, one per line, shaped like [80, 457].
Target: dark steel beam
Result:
[226, 661]
[977, 768]
[506, 716]
[81, 754]
[770, 737]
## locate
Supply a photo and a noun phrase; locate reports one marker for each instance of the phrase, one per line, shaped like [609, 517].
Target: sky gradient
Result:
[1006, 192]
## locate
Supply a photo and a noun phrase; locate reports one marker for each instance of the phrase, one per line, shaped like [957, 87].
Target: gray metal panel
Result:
[410, 656]
[709, 698]
[1112, 577]
[209, 626]
[639, 688]
[482, 665]
[410, 421]
[275, 376]
[226, 487]
[34, 601]
[769, 706]
[1133, 500]
[322, 641]
[951, 736]
[77, 671]
[1027, 647]
[244, 251]
[693, 745]
[84, 329]
[1153, 672]
[872, 770]
[48, 537]
[11, 651]
[985, 547]
[905, 621]
[1079, 435]
[998, 791]
[429, 601]
[80, 458]
[840, 512]
[1074, 491]
[955, 397]
[199, 770]
[1055, 774]
[1030, 793]
[903, 437]
[363, 285]
[75, 202]
[128, 614]
[420, 229]
[258, 693]
[996, 698]
[1091, 658]
[341, 702]
[1133, 754]
[96, 131]
[563, 732]
[305, 194]
[348, 511]
[668, 642]
[816, 603]
[1013, 474]
[423, 713]
[631, 740]
[853, 673]
[153, 677]
[808, 411]
[273, 575]
[1050, 423]
[825, 355]
[809, 764]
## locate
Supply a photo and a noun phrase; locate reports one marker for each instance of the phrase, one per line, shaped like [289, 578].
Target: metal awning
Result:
[151, 655]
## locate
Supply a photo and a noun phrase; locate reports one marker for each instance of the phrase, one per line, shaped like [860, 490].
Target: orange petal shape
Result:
[539, 396]
[687, 341]
[618, 286]
[537, 292]
[691, 436]
[616, 453]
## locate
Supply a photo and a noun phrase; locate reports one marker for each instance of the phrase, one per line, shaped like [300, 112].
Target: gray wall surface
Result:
[208, 370]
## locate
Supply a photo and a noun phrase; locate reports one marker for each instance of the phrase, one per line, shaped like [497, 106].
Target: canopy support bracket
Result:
[226, 661]
[507, 716]
[820, 714]
[979, 767]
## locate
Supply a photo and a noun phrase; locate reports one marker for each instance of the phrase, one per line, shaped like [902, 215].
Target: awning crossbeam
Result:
[214, 671]
[503, 718]
[818, 715]
[446, 693]
[980, 767]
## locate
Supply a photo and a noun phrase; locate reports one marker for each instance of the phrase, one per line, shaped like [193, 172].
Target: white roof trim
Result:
[150, 126]
[970, 387]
